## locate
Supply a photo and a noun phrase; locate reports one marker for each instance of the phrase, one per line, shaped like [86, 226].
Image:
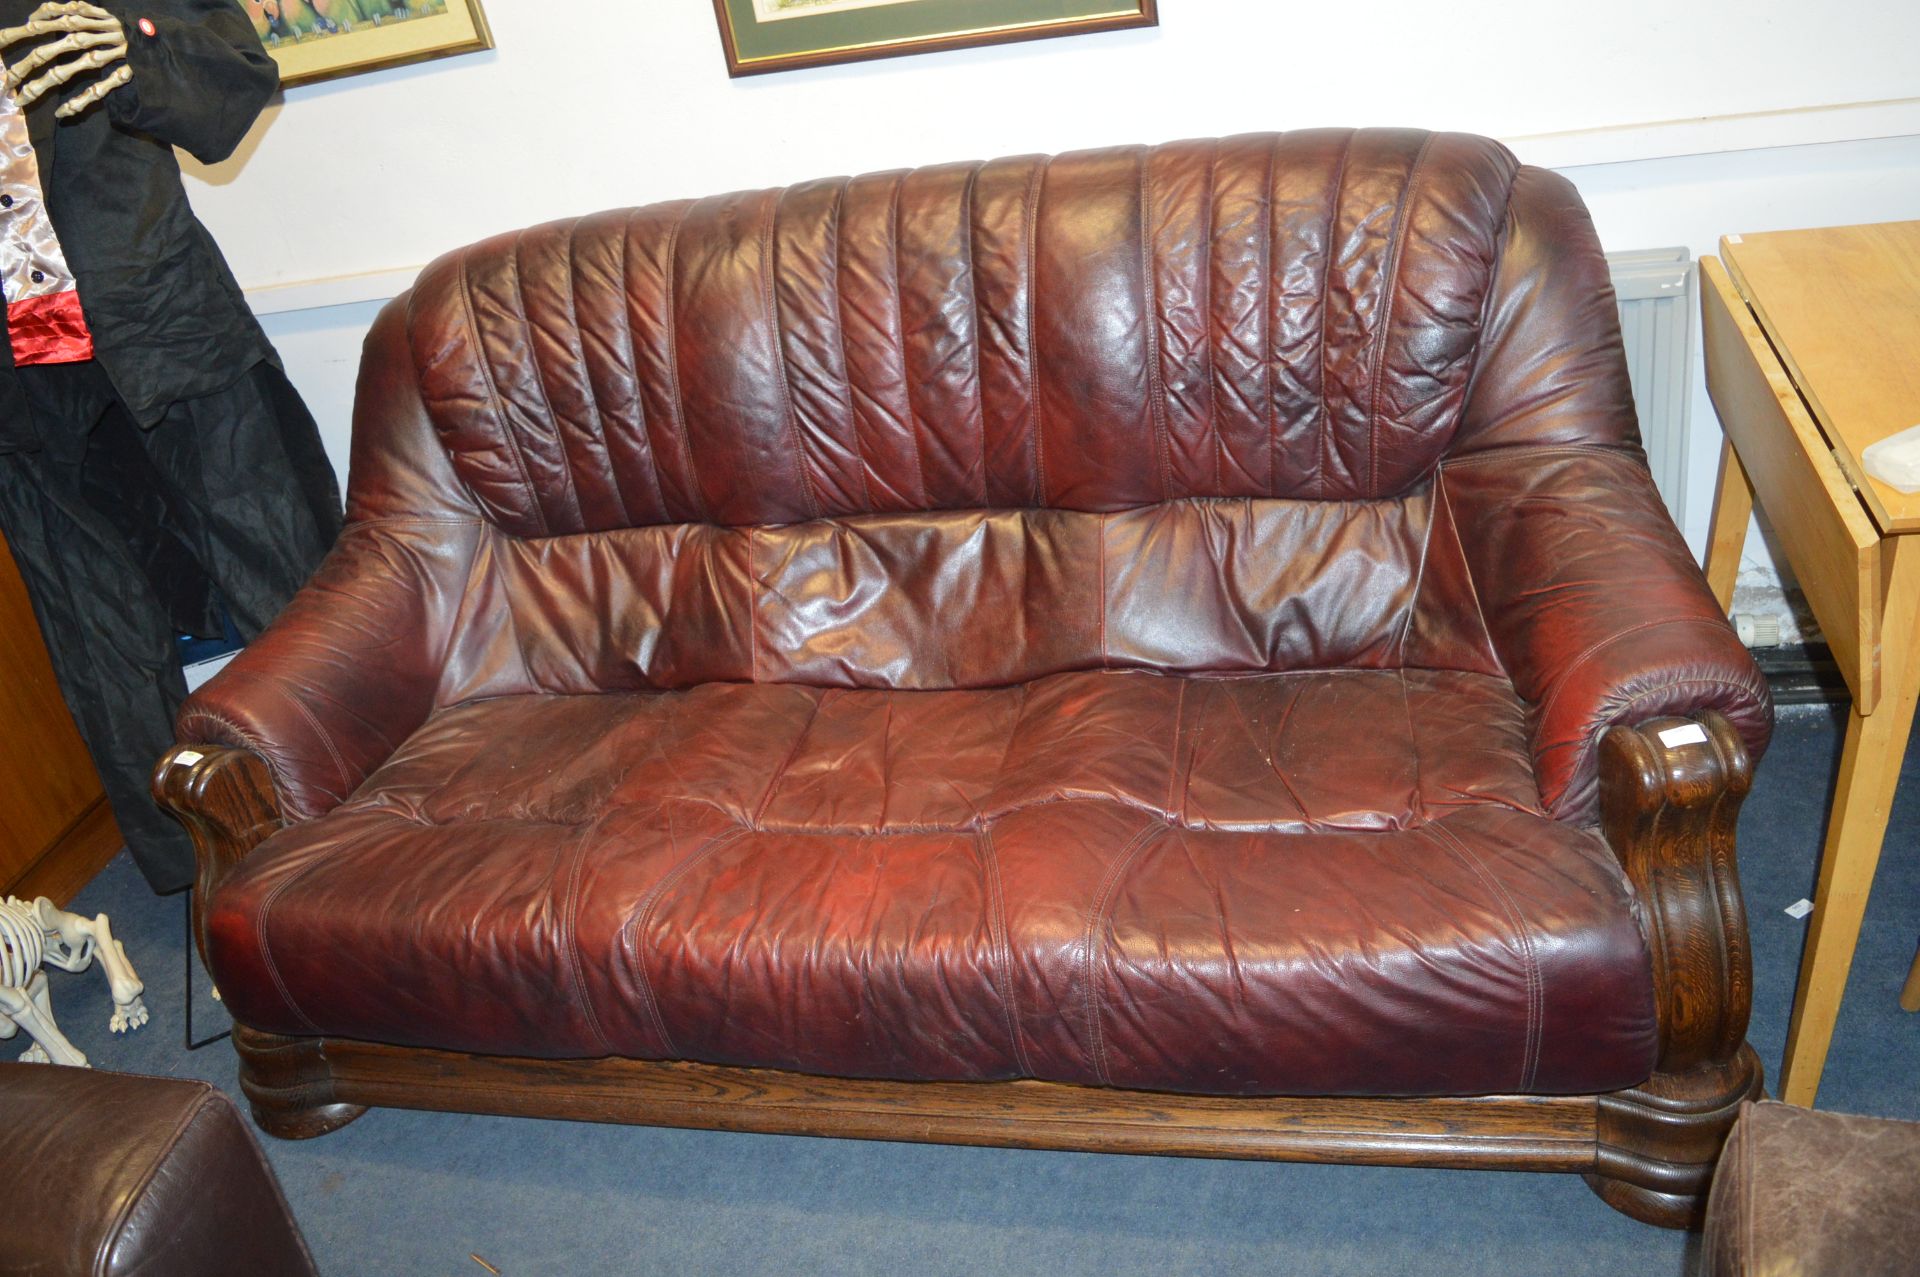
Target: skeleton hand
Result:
[93, 39]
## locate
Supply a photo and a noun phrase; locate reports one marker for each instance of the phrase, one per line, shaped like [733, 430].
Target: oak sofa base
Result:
[1648, 1152]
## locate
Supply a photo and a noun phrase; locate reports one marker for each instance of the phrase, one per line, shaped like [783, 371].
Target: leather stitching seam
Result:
[540, 374]
[1003, 948]
[326, 739]
[493, 395]
[793, 752]
[570, 939]
[769, 251]
[1625, 712]
[1396, 258]
[254, 743]
[671, 321]
[1473, 586]
[899, 335]
[973, 309]
[1269, 376]
[1536, 993]
[1211, 426]
[596, 431]
[643, 436]
[263, 926]
[136, 1195]
[1101, 533]
[1575, 666]
[1150, 325]
[1419, 583]
[1325, 481]
[862, 464]
[634, 934]
[1096, 944]
[1036, 185]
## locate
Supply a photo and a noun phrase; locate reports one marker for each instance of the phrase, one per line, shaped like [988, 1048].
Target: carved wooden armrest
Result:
[225, 798]
[1670, 795]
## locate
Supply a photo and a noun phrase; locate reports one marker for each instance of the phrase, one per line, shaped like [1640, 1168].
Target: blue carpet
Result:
[401, 1192]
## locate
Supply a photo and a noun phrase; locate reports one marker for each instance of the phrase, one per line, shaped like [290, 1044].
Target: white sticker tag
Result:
[1734, 239]
[1799, 908]
[187, 758]
[1691, 734]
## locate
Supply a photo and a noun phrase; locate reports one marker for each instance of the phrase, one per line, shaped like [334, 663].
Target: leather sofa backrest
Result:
[1282, 315]
[1177, 407]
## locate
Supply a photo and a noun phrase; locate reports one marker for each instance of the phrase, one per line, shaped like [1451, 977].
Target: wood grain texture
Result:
[1841, 305]
[1670, 812]
[1727, 536]
[55, 828]
[225, 799]
[1870, 761]
[71, 860]
[1803, 494]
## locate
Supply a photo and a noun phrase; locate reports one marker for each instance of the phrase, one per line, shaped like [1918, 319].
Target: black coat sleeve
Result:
[199, 81]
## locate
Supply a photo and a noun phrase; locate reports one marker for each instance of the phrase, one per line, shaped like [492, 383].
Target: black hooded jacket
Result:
[169, 323]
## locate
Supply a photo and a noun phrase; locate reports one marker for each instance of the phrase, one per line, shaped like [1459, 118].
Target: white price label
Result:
[1691, 734]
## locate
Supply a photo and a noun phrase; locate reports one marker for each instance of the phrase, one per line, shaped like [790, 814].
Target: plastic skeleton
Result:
[31, 934]
[91, 39]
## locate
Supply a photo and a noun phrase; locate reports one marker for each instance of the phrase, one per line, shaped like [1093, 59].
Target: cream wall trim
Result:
[1760, 130]
[1709, 135]
[322, 294]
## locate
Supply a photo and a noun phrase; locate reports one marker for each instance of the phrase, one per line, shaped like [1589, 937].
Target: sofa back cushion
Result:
[1176, 408]
[1279, 315]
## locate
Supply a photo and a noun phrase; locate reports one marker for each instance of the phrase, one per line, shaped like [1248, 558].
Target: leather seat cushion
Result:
[1330, 882]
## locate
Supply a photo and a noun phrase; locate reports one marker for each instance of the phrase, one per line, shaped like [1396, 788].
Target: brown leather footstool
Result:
[1808, 1193]
[106, 1173]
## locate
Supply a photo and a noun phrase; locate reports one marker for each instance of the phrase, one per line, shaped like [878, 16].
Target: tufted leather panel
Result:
[973, 598]
[1035, 881]
[1277, 315]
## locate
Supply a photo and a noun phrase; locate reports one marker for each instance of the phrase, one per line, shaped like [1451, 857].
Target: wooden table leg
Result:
[1910, 995]
[1732, 510]
[1869, 773]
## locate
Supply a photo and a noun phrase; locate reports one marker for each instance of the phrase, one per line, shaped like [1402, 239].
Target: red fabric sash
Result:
[49, 329]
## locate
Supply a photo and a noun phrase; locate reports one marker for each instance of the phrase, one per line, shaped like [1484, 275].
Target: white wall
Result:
[1679, 121]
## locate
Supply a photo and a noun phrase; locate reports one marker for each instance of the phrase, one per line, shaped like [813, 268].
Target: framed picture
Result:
[322, 39]
[779, 35]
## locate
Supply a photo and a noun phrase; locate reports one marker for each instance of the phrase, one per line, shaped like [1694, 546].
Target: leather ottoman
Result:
[1808, 1193]
[108, 1173]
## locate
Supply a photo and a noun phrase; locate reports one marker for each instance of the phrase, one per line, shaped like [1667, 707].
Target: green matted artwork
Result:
[779, 35]
[322, 39]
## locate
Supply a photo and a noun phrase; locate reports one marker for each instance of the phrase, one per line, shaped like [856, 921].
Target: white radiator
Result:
[1655, 290]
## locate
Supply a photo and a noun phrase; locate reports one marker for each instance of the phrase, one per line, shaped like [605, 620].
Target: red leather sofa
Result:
[1165, 648]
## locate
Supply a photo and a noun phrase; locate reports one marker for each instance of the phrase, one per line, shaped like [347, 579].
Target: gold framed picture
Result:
[780, 35]
[323, 39]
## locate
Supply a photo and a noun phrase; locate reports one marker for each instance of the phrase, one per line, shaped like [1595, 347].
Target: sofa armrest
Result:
[350, 669]
[1595, 607]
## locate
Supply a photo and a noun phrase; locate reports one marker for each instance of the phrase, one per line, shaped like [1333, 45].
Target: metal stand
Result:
[186, 1032]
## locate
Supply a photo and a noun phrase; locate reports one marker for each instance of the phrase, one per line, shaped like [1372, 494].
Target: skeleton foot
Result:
[128, 1016]
[30, 1009]
[35, 1054]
